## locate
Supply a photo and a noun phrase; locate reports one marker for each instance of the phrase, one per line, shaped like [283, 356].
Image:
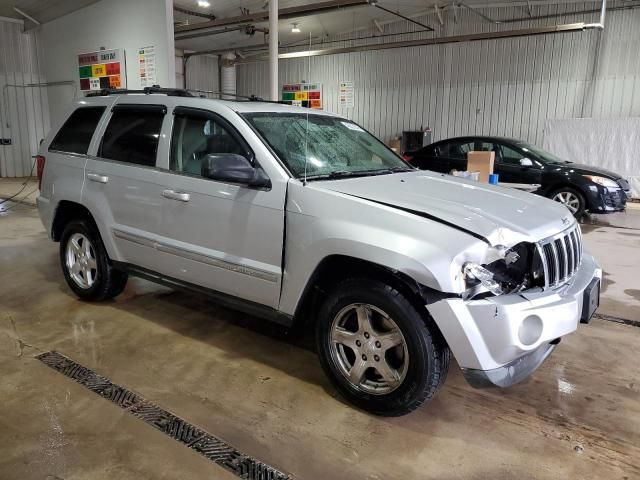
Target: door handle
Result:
[95, 177]
[173, 195]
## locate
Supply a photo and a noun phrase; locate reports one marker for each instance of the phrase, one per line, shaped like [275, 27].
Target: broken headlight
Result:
[508, 270]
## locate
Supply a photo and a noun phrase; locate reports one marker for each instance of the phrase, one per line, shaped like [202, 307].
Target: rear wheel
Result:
[86, 265]
[378, 350]
[570, 198]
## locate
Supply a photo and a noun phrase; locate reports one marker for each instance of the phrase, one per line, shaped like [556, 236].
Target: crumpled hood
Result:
[504, 216]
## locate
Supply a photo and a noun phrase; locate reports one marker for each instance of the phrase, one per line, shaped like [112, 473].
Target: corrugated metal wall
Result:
[24, 115]
[202, 73]
[498, 87]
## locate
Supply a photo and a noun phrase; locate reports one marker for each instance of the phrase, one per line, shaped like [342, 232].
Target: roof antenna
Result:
[306, 136]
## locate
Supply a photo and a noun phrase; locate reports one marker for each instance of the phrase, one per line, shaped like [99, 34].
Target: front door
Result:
[222, 236]
[514, 167]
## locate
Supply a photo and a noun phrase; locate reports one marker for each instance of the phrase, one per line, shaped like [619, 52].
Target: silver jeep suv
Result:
[301, 216]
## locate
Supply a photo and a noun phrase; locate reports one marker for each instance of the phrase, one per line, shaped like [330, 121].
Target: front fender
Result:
[323, 224]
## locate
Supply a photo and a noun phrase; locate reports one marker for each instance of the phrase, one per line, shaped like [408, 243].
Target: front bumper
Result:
[605, 200]
[501, 340]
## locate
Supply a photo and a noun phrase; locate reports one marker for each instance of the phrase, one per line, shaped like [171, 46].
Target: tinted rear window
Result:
[132, 135]
[75, 135]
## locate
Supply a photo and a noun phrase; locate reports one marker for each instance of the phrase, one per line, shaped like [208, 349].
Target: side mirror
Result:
[233, 168]
[526, 162]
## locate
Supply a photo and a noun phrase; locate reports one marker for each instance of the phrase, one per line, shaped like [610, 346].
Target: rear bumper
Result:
[45, 210]
[501, 340]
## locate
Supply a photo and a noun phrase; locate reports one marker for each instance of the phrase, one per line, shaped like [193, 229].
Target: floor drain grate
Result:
[611, 318]
[211, 447]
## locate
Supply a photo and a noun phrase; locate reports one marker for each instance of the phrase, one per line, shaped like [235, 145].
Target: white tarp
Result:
[611, 143]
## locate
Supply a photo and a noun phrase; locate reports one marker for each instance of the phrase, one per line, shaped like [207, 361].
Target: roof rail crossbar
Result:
[250, 98]
[175, 92]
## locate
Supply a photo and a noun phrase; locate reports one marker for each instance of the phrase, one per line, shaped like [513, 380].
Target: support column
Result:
[273, 50]
[228, 75]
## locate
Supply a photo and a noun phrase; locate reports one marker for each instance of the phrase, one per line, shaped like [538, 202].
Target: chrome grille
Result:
[561, 256]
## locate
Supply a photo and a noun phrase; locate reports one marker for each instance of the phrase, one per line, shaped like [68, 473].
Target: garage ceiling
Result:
[319, 26]
[42, 11]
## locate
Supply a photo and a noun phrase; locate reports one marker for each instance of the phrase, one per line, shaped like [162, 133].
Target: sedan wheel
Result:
[369, 349]
[571, 199]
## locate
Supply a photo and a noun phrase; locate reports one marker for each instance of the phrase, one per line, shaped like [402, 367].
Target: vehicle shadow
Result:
[239, 335]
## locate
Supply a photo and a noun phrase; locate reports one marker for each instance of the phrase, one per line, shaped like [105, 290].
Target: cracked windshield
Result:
[325, 147]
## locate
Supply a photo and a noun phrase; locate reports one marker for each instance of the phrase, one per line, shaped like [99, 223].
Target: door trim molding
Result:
[197, 257]
[224, 299]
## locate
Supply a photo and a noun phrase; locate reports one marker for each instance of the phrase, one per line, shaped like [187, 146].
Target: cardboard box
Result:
[394, 144]
[481, 162]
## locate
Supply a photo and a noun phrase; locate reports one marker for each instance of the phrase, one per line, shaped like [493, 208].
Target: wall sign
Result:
[345, 96]
[303, 94]
[147, 64]
[102, 69]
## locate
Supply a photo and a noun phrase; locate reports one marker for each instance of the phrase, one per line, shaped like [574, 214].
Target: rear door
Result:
[122, 183]
[456, 153]
[66, 154]
[223, 236]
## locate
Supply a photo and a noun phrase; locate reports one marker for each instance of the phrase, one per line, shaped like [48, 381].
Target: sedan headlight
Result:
[605, 182]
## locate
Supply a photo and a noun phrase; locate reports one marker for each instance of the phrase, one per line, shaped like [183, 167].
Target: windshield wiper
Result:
[357, 173]
[337, 174]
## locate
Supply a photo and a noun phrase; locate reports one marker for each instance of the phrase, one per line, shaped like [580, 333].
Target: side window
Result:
[459, 150]
[483, 146]
[194, 137]
[511, 156]
[133, 133]
[75, 135]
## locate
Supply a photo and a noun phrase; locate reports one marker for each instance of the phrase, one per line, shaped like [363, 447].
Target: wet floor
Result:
[261, 389]
[629, 219]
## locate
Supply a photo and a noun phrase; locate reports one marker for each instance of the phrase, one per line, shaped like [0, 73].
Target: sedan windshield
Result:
[543, 154]
[320, 146]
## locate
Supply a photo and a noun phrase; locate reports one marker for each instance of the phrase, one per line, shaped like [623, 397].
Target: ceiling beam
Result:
[193, 13]
[572, 27]
[283, 14]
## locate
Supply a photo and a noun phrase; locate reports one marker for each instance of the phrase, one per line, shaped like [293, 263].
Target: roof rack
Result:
[178, 92]
[249, 98]
[174, 92]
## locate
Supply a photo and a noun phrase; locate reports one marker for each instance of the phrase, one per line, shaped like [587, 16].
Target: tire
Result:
[86, 265]
[367, 315]
[571, 198]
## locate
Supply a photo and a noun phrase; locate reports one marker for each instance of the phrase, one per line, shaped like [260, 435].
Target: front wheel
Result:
[570, 198]
[378, 350]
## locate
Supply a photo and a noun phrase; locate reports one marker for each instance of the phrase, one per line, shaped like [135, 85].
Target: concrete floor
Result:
[262, 390]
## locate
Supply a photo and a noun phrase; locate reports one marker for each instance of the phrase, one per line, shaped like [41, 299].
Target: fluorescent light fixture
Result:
[295, 28]
[203, 4]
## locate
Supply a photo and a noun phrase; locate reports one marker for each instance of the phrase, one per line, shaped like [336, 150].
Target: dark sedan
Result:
[580, 187]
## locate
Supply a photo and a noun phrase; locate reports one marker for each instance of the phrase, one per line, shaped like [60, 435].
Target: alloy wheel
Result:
[81, 261]
[369, 349]
[569, 200]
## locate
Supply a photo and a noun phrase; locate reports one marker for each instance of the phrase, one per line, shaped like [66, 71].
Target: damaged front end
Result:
[505, 270]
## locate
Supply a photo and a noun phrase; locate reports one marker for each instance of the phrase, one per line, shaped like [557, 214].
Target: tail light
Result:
[40, 169]
[407, 158]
